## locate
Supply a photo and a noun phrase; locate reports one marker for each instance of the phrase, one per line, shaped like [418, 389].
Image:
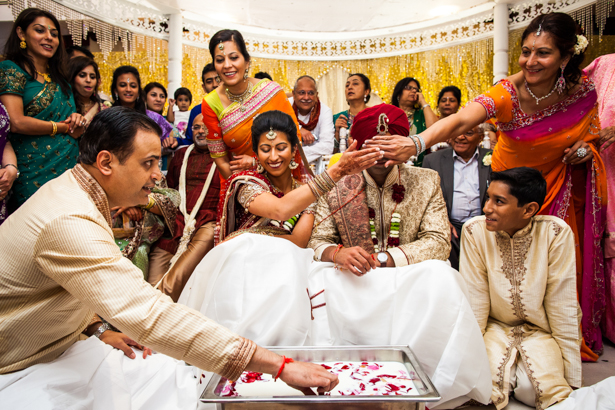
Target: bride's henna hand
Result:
[354, 161]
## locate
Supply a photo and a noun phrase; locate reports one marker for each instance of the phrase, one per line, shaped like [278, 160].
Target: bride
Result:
[261, 282]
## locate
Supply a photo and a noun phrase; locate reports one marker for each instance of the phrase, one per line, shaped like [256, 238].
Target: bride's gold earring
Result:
[259, 168]
[23, 44]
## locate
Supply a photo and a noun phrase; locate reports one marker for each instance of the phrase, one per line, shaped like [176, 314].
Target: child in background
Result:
[179, 116]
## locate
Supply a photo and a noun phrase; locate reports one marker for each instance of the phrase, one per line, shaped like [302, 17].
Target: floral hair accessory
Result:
[581, 44]
[487, 159]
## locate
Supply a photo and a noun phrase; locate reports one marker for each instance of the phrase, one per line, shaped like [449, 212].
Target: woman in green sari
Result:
[38, 98]
[407, 95]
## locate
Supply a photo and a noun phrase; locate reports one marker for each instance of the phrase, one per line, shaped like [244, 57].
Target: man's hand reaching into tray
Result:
[302, 376]
[299, 375]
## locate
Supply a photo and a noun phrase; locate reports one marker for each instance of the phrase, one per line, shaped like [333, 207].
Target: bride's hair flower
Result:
[581, 44]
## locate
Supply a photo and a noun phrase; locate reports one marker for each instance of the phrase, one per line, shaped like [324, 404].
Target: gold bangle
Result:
[150, 204]
[54, 128]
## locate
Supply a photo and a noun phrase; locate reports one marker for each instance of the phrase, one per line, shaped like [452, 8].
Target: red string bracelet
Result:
[286, 360]
[340, 246]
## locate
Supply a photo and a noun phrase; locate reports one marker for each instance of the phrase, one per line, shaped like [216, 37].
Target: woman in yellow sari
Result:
[548, 118]
[228, 111]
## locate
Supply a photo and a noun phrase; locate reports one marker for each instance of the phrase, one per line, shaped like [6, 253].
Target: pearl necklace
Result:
[538, 100]
[241, 98]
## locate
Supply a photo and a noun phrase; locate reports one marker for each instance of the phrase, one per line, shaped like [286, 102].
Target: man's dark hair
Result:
[71, 50]
[114, 130]
[450, 89]
[183, 91]
[207, 69]
[261, 74]
[525, 184]
[277, 121]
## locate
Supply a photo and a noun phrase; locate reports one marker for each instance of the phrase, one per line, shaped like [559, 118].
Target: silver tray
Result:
[401, 354]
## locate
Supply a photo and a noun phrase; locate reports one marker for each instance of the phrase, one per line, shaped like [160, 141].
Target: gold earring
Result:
[259, 168]
[23, 44]
[245, 75]
[293, 164]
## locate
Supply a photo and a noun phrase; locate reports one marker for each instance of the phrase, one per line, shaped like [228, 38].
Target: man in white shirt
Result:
[464, 177]
[315, 119]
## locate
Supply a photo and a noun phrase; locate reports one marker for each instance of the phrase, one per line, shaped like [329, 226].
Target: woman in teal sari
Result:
[37, 96]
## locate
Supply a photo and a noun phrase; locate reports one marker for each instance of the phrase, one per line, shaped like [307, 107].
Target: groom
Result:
[386, 231]
[385, 217]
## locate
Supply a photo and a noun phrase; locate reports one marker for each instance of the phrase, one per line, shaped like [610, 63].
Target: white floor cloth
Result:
[258, 286]
[600, 396]
[93, 375]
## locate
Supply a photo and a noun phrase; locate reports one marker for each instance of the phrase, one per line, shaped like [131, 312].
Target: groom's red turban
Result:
[379, 119]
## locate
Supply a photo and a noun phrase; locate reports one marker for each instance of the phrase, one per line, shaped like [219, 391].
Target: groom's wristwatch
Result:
[101, 329]
[383, 258]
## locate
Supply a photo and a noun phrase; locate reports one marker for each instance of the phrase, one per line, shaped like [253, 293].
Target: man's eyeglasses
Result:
[198, 127]
[303, 93]
[412, 88]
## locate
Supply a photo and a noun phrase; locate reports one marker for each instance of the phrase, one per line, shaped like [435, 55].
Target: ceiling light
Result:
[443, 10]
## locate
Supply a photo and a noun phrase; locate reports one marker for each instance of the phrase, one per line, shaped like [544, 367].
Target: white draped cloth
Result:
[258, 286]
[93, 375]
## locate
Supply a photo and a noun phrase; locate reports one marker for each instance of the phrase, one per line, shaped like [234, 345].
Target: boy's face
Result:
[183, 103]
[502, 211]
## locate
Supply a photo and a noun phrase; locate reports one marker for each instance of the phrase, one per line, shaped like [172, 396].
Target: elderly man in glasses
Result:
[193, 173]
[315, 119]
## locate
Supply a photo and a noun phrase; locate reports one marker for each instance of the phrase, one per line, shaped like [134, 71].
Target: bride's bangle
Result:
[321, 184]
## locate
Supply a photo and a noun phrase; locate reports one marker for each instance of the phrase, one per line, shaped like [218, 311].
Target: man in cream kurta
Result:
[523, 294]
[60, 266]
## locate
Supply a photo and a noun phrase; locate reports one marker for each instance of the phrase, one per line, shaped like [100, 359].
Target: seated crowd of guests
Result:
[476, 246]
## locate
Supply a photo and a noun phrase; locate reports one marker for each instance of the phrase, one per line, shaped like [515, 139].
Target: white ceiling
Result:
[290, 17]
[321, 15]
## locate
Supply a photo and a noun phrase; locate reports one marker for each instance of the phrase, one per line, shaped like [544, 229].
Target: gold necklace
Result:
[241, 98]
[45, 76]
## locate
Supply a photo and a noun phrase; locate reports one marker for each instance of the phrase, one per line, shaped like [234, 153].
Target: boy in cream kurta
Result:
[520, 271]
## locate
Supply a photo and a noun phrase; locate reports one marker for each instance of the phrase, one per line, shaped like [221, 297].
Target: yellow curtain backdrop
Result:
[468, 66]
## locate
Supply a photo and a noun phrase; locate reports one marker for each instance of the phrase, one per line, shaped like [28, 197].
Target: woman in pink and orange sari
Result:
[229, 110]
[548, 118]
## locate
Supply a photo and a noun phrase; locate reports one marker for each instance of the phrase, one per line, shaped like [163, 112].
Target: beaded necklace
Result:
[394, 225]
[240, 98]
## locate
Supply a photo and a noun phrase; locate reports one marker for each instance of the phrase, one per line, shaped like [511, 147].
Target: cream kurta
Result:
[523, 294]
[424, 229]
[60, 264]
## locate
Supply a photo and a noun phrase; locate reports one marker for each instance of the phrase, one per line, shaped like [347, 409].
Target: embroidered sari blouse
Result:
[40, 158]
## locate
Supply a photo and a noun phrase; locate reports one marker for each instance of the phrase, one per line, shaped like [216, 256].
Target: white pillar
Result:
[175, 53]
[500, 40]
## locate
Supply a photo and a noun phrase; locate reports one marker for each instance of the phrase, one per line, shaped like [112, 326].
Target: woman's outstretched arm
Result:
[281, 209]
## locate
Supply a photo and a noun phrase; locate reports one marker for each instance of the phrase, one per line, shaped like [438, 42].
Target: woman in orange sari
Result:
[229, 110]
[556, 133]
